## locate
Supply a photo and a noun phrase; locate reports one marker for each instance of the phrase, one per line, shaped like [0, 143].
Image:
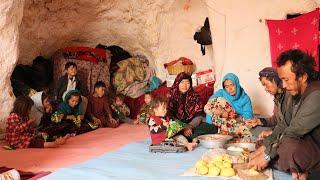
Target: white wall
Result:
[176, 37]
[241, 40]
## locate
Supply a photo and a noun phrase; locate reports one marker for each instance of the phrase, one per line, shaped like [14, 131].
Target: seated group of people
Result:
[292, 145]
[44, 120]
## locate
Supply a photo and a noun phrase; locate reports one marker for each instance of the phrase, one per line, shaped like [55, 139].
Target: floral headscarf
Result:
[184, 106]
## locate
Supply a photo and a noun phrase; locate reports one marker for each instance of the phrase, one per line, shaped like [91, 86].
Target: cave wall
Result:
[11, 12]
[161, 30]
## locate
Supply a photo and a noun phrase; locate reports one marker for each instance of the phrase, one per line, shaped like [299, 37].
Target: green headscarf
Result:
[64, 107]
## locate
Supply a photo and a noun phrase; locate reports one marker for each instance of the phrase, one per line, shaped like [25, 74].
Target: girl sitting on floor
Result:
[20, 133]
[69, 114]
[161, 128]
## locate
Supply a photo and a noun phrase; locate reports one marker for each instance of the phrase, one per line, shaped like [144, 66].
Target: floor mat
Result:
[76, 150]
[133, 161]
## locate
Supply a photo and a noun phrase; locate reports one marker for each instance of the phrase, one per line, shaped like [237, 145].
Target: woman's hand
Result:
[253, 123]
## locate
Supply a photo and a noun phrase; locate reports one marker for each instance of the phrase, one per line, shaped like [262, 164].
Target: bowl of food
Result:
[250, 146]
[212, 141]
[234, 150]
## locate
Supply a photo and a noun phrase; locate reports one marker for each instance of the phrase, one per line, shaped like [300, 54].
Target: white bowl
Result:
[234, 151]
[212, 141]
[250, 146]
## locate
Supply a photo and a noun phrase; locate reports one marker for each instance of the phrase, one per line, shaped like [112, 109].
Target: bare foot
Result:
[50, 144]
[191, 146]
[136, 122]
[299, 176]
[303, 176]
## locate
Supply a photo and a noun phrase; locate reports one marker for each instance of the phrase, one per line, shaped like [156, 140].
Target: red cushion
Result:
[205, 91]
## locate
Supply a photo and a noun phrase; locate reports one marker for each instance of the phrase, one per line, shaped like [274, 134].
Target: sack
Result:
[118, 54]
[203, 37]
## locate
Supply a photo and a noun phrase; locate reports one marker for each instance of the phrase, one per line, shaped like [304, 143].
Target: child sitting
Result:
[160, 127]
[69, 81]
[98, 108]
[144, 115]
[20, 134]
[120, 110]
[69, 114]
[226, 118]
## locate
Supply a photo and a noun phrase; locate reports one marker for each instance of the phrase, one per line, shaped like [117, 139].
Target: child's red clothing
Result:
[18, 133]
[157, 130]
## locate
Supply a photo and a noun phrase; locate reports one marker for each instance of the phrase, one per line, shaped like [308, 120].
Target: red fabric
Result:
[87, 53]
[301, 32]
[18, 132]
[158, 138]
[158, 135]
[184, 61]
[135, 104]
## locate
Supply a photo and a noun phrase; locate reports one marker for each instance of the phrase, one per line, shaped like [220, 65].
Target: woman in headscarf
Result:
[228, 107]
[185, 105]
[272, 84]
[43, 105]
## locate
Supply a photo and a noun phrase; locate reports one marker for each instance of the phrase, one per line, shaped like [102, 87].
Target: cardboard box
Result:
[205, 77]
